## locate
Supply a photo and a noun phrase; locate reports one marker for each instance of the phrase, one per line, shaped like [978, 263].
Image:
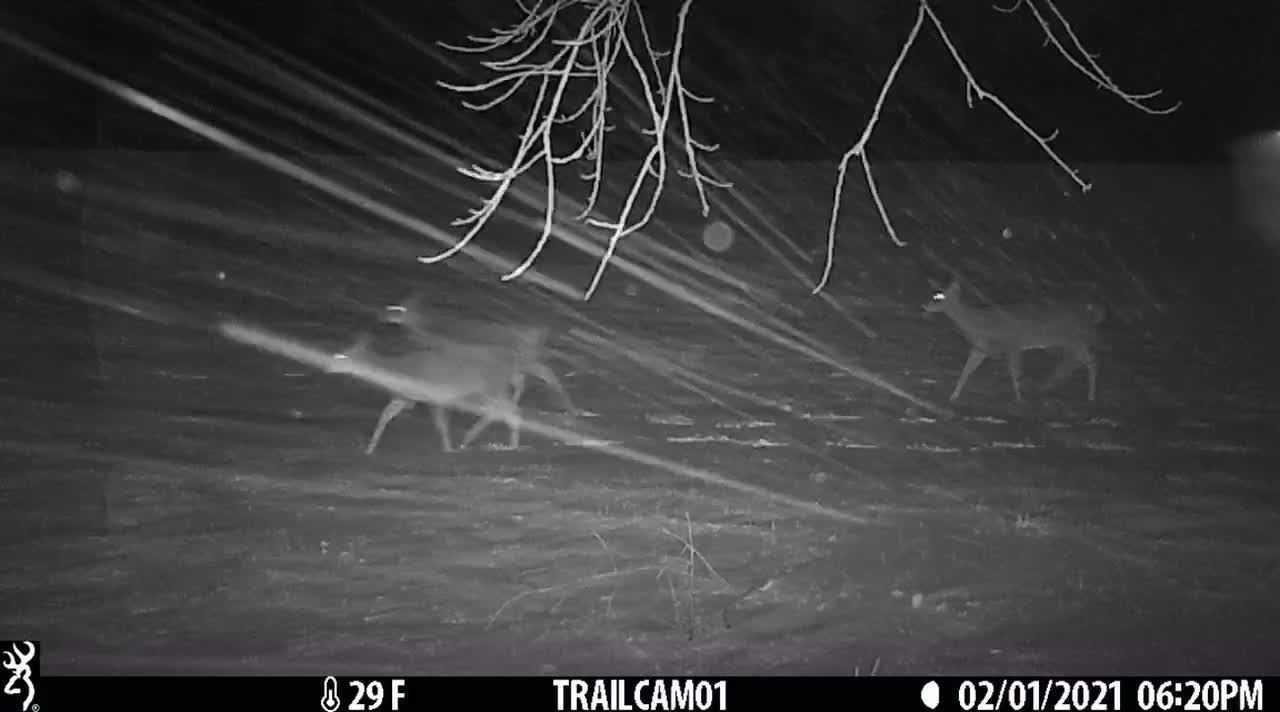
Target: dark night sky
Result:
[767, 63]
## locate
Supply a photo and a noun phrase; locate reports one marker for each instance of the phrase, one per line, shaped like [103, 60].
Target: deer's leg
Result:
[394, 408]
[976, 358]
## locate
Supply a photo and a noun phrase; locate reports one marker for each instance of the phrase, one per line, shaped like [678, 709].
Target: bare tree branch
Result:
[1088, 66]
[603, 37]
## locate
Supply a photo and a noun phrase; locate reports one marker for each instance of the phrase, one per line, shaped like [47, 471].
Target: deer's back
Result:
[1002, 329]
[455, 371]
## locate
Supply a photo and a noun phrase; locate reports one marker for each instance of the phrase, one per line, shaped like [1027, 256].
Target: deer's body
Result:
[1010, 329]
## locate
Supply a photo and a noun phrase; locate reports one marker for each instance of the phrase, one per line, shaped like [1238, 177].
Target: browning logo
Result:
[21, 659]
